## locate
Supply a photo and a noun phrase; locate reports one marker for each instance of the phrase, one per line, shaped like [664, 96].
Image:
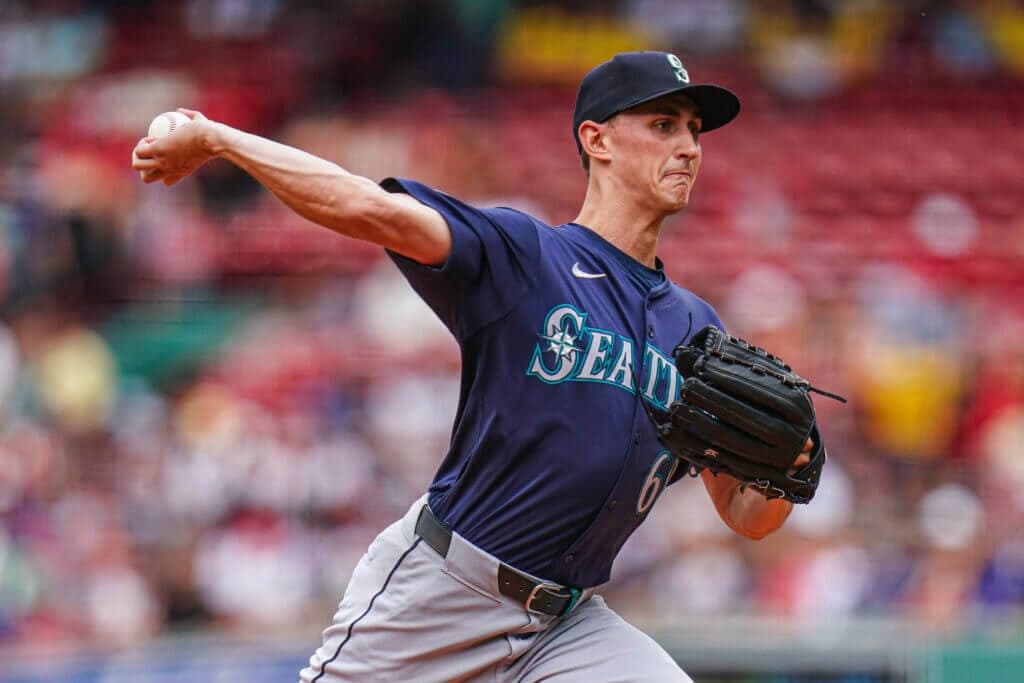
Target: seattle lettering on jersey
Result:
[571, 351]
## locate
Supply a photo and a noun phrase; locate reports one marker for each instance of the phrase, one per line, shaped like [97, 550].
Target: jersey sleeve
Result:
[490, 267]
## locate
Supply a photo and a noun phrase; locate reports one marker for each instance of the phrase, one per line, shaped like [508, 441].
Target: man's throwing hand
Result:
[175, 155]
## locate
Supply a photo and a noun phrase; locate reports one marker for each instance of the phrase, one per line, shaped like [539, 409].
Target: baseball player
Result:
[565, 332]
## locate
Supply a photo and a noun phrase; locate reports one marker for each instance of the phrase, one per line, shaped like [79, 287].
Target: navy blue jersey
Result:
[553, 461]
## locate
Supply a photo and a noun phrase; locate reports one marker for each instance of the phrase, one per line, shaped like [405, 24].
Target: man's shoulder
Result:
[512, 213]
[692, 301]
[513, 210]
[497, 209]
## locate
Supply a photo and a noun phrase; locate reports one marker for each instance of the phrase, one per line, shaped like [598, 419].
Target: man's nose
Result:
[687, 146]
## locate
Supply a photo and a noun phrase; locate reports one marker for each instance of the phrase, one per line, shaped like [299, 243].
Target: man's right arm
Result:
[316, 189]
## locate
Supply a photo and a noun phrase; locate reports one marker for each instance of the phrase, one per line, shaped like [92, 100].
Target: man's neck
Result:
[632, 229]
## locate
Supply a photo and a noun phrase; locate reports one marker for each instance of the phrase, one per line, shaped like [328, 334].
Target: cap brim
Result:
[717, 105]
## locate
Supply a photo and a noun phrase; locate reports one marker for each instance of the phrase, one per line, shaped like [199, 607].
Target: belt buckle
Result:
[558, 591]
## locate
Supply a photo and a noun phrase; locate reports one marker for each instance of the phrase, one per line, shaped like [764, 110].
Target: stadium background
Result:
[209, 407]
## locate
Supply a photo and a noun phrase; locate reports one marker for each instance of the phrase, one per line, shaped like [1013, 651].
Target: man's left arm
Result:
[747, 512]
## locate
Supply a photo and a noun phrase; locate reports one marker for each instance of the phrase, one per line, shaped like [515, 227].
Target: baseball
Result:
[166, 123]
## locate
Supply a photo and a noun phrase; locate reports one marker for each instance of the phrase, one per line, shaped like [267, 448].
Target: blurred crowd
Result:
[208, 407]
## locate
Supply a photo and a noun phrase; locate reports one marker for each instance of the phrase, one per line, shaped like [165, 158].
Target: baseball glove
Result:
[744, 412]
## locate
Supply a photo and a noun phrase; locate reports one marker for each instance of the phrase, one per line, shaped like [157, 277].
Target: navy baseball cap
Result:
[632, 78]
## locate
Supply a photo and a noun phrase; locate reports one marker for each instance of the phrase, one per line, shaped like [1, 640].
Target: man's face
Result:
[655, 150]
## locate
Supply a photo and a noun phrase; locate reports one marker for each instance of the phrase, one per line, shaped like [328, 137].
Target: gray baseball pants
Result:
[411, 615]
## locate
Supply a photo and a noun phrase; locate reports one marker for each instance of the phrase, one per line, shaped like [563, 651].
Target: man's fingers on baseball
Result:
[148, 168]
[192, 114]
[144, 164]
[144, 149]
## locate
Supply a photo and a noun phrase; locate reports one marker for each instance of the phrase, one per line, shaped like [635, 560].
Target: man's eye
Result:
[663, 125]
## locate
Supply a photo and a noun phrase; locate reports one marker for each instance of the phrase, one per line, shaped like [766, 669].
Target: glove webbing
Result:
[789, 378]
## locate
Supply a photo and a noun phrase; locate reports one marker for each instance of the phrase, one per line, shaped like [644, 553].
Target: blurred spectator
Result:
[698, 25]
[277, 585]
[958, 40]
[809, 49]
[46, 47]
[992, 426]
[764, 300]
[1004, 24]
[76, 379]
[546, 44]
[231, 18]
[910, 373]
[1001, 583]
[10, 371]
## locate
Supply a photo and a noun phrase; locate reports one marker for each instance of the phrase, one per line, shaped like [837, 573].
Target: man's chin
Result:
[677, 204]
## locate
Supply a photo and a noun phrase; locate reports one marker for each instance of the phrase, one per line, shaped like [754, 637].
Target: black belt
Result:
[545, 598]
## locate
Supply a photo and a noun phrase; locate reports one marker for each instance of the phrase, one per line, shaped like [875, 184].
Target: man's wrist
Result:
[213, 137]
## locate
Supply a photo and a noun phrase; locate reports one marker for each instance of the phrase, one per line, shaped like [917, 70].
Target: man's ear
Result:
[593, 140]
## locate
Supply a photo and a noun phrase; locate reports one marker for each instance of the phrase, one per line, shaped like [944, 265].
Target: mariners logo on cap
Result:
[677, 66]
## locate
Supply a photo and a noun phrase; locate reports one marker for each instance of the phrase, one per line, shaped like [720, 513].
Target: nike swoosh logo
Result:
[582, 274]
